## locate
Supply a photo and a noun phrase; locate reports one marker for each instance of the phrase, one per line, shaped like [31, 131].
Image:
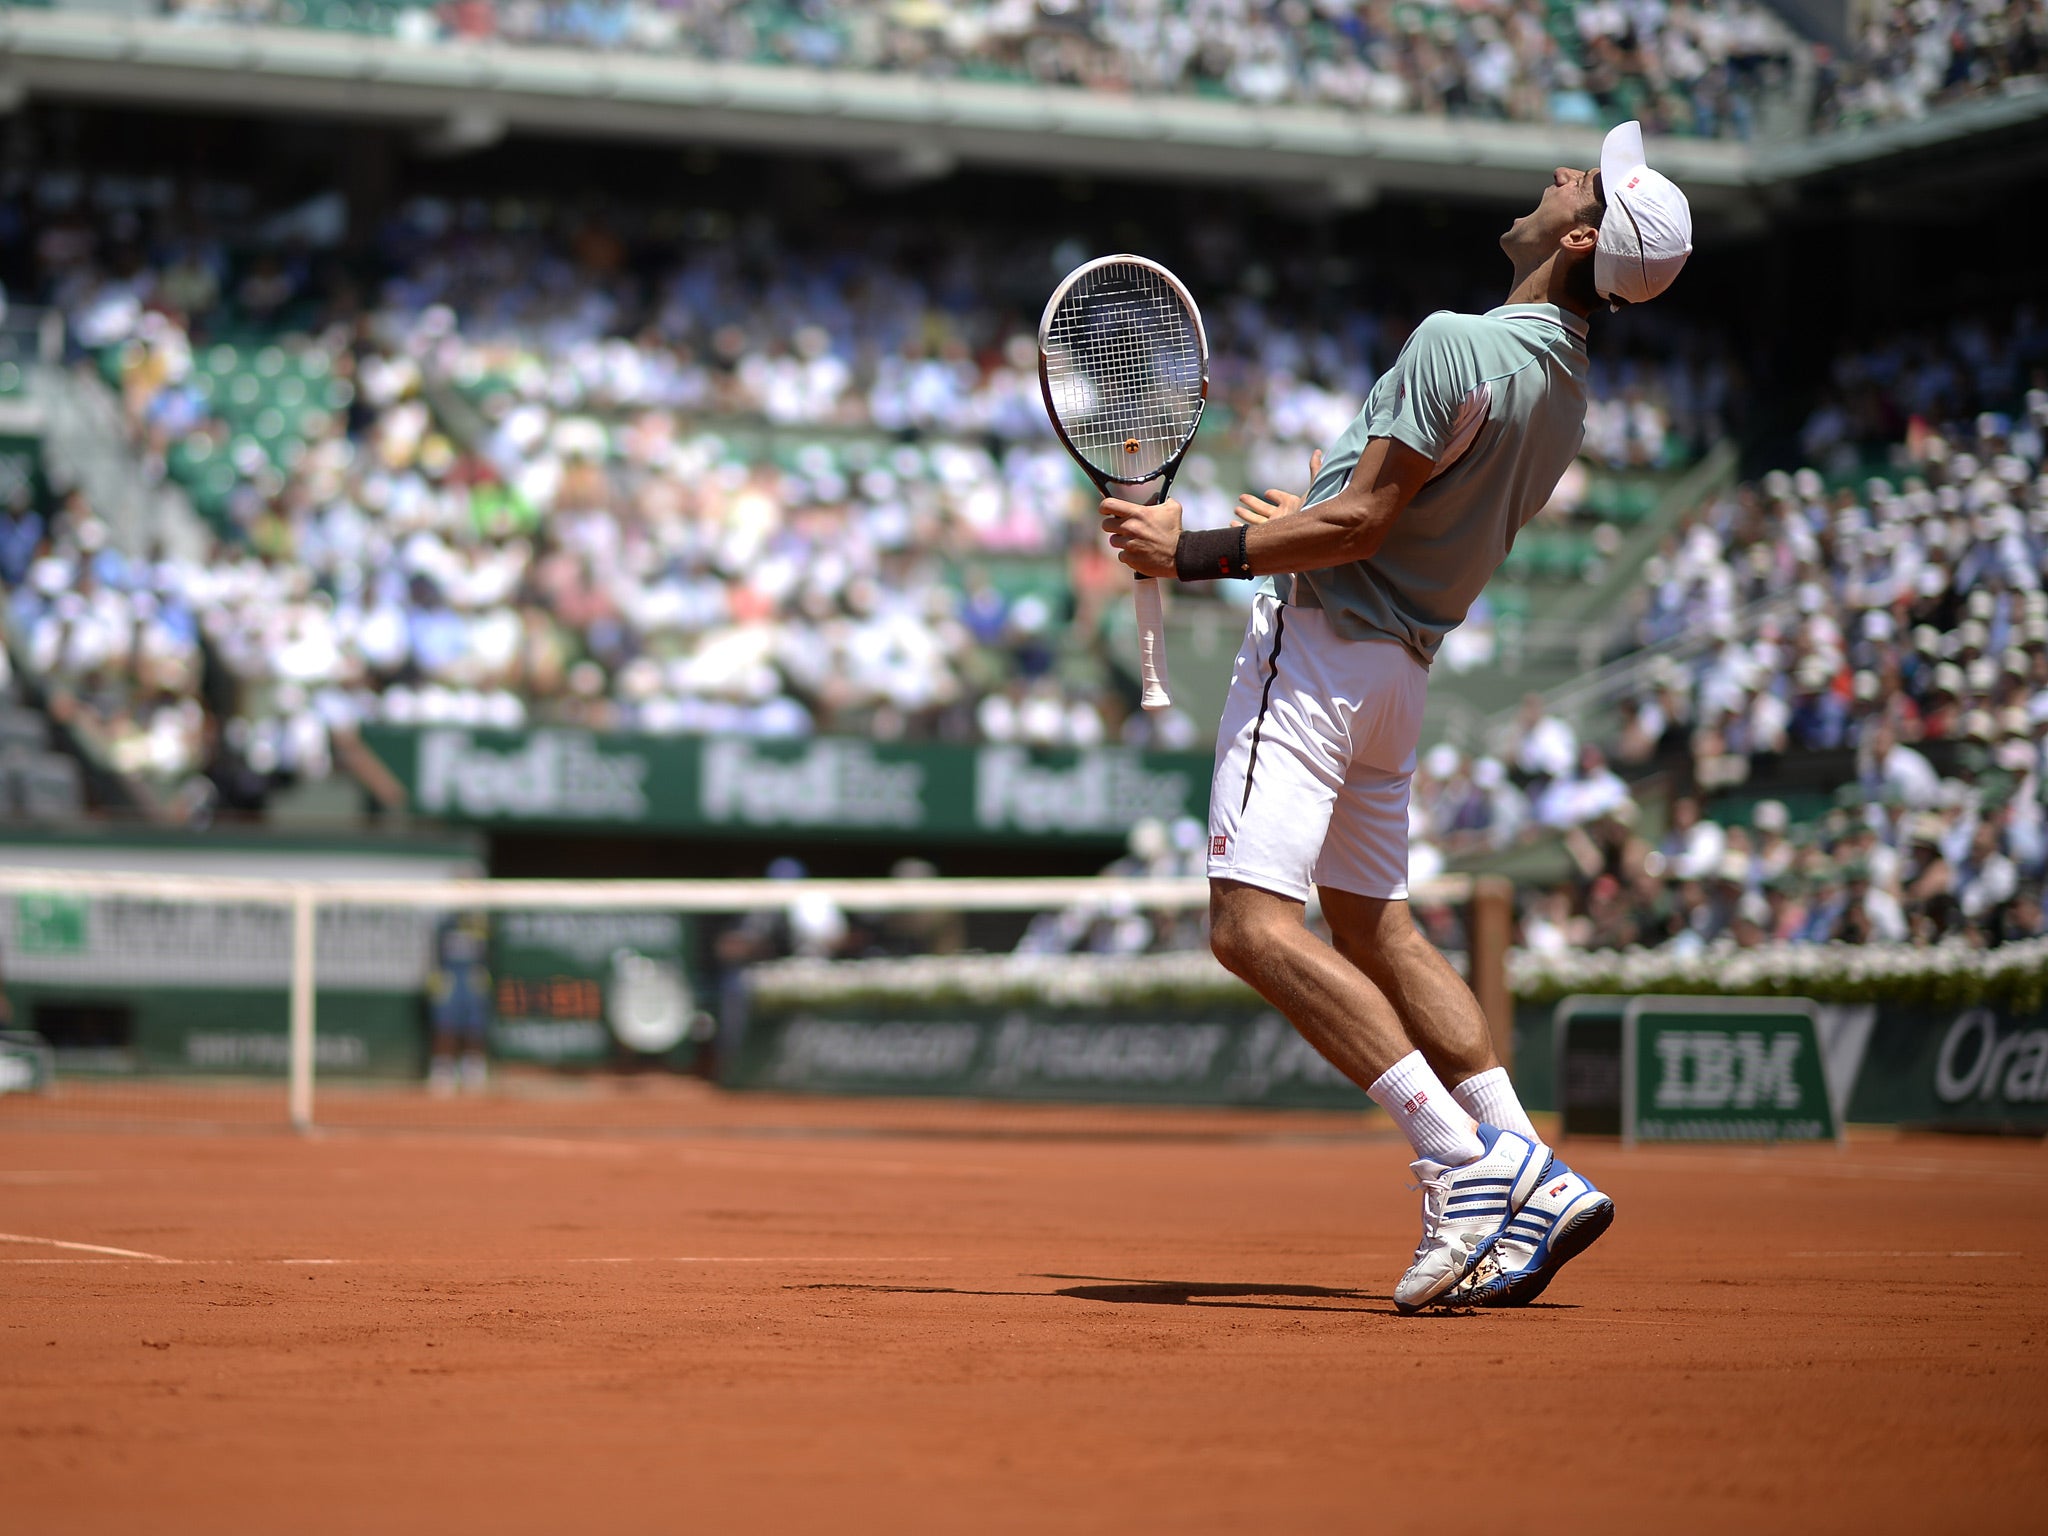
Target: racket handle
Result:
[1152, 645]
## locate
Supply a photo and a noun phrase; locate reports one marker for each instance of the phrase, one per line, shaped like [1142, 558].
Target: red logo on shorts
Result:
[1219, 846]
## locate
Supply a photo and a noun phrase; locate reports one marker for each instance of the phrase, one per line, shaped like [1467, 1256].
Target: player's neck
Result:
[1544, 283]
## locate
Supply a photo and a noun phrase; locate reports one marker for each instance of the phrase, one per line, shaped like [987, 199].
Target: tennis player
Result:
[1459, 445]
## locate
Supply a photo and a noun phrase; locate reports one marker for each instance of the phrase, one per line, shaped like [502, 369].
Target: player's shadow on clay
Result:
[1174, 1293]
[1184, 1293]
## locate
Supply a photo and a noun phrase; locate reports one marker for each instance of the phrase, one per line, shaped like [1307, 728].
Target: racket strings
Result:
[1124, 366]
[1130, 346]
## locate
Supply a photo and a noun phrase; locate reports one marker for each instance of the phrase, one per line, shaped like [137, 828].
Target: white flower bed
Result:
[2015, 975]
[1184, 978]
[1936, 974]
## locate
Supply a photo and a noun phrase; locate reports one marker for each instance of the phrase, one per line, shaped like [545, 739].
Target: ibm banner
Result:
[1700, 1068]
[1783, 1069]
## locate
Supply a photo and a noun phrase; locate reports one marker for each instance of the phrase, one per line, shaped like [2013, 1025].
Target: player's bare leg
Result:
[1566, 1213]
[1474, 1177]
[1438, 1011]
[1436, 1007]
[1261, 937]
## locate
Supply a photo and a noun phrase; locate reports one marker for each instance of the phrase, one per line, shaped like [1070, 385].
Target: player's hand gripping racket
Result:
[1124, 363]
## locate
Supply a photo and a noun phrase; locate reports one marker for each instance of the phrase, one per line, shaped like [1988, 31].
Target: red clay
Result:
[868, 1316]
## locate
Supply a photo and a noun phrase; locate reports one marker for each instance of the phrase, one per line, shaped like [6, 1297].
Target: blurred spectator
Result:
[1545, 746]
[459, 1002]
[1912, 56]
[1702, 69]
[530, 485]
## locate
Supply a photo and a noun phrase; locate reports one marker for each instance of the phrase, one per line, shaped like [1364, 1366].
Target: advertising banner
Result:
[1968, 1068]
[27, 1064]
[838, 785]
[1975, 1068]
[1248, 1056]
[140, 984]
[573, 988]
[1723, 1069]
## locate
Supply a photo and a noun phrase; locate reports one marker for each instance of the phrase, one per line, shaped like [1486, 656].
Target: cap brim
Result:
[1621, 152]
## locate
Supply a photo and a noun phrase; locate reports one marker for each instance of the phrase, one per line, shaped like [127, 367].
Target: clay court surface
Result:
[771, 1314]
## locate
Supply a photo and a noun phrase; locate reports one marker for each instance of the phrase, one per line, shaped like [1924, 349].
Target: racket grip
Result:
[1152, 645]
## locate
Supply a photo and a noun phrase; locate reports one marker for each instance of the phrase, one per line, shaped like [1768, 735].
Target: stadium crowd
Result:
[1706, 69]
[1710, 68]
[756, 488]
[1895, 632]
[539, 474]
[1912, 56]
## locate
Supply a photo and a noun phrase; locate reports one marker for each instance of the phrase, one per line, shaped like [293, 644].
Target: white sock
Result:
[1426, 1113]
[1490, 1097]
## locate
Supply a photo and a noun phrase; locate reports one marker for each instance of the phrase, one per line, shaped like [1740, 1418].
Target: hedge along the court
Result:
[1949, 975]
[2013, 977]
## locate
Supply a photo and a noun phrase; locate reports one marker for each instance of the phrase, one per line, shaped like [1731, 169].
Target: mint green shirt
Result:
[1498, 403]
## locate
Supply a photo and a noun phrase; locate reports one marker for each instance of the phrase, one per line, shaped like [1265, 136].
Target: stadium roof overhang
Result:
[902, 125]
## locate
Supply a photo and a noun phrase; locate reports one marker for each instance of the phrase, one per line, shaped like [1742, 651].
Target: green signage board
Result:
[50, 925]
[572, 988]
[1207, 1056]
[219, 1031]
[1974, 1068]
[27, 1064]
[1586, 1084]
[1723, 1069]
[839, 785]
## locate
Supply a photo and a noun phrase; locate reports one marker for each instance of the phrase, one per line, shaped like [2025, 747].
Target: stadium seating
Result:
[812, 495]
[1713, 69]
[1909, 59]
[1710, 69]
[864, 470]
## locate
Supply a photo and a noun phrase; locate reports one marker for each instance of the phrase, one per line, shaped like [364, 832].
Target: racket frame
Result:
[1152, 643]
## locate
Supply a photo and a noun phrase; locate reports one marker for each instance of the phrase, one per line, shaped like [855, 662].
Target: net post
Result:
[1489, 928]
[304, 910]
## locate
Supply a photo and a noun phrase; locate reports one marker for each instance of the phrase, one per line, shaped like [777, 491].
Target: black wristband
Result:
[1211, 554]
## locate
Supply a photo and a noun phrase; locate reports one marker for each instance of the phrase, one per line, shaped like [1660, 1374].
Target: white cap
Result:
[1647, 232]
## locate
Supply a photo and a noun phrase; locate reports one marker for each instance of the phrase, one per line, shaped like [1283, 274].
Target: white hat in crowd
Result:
[1647, 232]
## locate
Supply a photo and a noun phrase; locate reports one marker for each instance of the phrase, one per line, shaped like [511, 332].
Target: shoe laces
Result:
[1436, 1193]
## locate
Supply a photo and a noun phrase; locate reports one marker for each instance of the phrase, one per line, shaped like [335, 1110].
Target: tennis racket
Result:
[1124, 364]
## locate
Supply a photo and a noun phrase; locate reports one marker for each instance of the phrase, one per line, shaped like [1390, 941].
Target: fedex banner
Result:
[840, 785]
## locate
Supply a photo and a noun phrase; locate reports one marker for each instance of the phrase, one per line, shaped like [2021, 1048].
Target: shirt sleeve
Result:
[1418, 401]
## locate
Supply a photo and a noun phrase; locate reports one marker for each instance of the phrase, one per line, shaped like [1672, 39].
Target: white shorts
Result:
[1314, 757]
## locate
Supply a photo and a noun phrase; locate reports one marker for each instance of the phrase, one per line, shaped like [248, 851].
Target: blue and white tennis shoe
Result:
[1465, 1210]
[1562, 1219]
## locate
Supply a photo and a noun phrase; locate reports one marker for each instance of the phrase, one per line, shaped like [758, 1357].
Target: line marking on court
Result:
[737, 1157]
[123, 1256]
[89, 1261]
[562, 1146]
[58, 1242]
[825, 1163]
[1906, 1253]
[775, 1258]
[47, 1176]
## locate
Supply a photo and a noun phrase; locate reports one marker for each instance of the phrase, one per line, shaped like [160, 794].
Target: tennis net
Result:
[144, 999]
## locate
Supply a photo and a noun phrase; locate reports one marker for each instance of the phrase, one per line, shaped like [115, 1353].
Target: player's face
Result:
[1563, 206]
